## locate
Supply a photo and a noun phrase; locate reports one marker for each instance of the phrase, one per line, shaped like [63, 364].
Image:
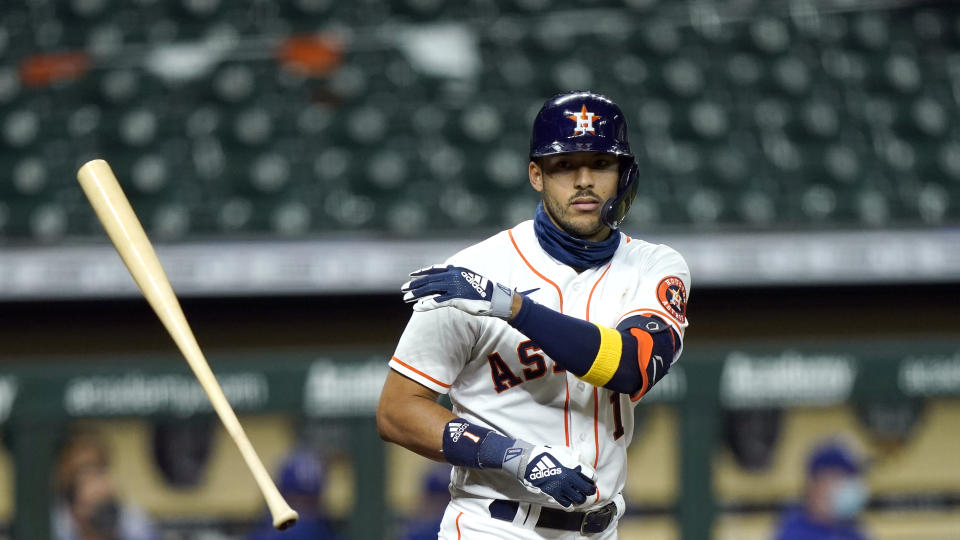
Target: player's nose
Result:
[584, 177]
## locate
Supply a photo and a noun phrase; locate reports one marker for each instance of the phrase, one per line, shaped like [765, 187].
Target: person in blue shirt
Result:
[834, 496]
[434, 498]
[301, 482]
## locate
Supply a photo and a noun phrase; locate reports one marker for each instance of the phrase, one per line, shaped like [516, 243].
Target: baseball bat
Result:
[128, 237]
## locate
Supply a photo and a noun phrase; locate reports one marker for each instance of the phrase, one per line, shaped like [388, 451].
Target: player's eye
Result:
[603, 164]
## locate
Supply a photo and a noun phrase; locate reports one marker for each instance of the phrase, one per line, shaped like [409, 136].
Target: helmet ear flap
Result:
[615, 208]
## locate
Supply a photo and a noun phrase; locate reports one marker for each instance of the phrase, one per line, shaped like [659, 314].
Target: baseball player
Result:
[544, 337]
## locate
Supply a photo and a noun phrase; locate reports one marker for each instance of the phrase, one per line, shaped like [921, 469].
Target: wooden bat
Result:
[124, 229]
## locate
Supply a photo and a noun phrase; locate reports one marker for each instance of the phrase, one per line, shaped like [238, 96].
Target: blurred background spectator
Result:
[434, 496]
[834, 495]
[88, 505]
[301, 482]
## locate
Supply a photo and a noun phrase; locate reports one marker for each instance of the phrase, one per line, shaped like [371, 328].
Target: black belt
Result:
[590, 522]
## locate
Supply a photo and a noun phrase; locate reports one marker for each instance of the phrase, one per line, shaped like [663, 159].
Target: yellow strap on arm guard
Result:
[608, 357]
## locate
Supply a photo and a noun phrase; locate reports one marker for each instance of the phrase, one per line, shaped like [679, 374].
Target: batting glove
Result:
[556, 472]
[441, 286]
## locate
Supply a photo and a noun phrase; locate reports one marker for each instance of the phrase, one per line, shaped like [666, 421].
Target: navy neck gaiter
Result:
[569, 250]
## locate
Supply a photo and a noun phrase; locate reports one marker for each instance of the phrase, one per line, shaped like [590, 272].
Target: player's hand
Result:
[557, 472]
[441, 286]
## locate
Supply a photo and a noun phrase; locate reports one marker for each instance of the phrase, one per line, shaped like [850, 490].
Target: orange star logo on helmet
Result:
[584, 120]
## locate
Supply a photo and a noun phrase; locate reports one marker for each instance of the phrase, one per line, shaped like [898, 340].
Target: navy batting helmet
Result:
[588, 122]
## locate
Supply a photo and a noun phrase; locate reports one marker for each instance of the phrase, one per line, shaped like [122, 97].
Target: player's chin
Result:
[582, 217]
[583, 225]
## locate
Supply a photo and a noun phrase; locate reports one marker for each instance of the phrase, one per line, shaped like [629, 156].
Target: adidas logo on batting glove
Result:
[452, 286]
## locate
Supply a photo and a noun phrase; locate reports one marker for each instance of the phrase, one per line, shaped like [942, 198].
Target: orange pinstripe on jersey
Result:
[418, 372]
[590, 298]
[566, 402]
[596, 429]
[534, 270]
[457, 523]
[596, 401]
[566, 412]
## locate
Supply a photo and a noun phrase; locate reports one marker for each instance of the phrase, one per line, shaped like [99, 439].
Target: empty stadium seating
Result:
[744, 119]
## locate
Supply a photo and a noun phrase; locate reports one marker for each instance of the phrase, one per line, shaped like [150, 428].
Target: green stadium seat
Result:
[757, 208]
[730, 162]
[947, 160]
[744, 71]
[658, 38]
[845, 67]
[768, 36]
[234, 83]
[252, 127]
[291, 218]
[508, 67]
[841, 162]
[870, 30]
[505, 167]
[232, 216]
[269, 174]
[709, 120]
[872, 208]
[10, 88]
[85, 10]
[683, 77]
[902, 72]
[20, 129]
[630, 72]
[818, 119]
[705, 206]
[406, 218]
[791, 75]
[335, 166]
[925, 118]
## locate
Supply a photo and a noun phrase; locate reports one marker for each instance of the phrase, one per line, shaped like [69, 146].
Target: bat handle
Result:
[283, 516]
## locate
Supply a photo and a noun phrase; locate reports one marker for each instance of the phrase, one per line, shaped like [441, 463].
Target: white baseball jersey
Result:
[497, 377]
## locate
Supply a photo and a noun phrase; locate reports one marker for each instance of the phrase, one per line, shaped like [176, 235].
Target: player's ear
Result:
[535, 173]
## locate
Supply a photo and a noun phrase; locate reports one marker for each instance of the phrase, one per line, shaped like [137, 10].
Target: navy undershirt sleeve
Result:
[573, 344]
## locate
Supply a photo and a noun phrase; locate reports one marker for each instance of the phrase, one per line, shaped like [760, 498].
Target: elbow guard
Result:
[654, 345]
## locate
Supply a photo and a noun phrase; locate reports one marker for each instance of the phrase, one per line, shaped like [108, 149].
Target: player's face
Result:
[574, 187]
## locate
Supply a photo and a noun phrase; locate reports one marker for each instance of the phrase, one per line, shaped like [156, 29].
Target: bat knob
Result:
[285, 520]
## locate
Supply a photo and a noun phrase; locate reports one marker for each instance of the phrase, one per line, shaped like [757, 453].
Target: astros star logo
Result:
[673, 297]
[584, 120]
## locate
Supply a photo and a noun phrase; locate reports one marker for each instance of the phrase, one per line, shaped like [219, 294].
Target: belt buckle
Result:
[598, 520]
